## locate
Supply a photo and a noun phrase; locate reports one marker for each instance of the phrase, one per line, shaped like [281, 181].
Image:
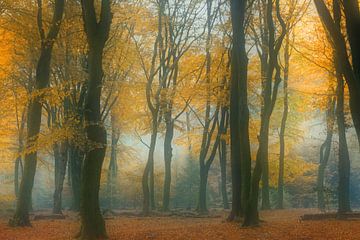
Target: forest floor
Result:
[277, 225]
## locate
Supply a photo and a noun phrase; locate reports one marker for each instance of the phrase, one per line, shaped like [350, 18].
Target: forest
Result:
[179, 119]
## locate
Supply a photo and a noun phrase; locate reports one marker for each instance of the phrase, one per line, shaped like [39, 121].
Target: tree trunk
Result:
[169, 134]
[344, 158]
[280, 202]
[152, 184]
[148, 168]
[113, 166]
[207, 131]
[92, 222]
[270, 95]
[325, 153]
[202, 205]
[18, 168]
[21, 217]
[265, 196]
[97, 32]
[75, 163]
[239, 114]
[61, 158]
[223, 159]
[350, 69]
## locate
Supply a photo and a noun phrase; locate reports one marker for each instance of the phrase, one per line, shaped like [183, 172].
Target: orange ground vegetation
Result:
[277, 225]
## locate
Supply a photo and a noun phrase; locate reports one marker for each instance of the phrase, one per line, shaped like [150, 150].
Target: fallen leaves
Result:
[277, 225]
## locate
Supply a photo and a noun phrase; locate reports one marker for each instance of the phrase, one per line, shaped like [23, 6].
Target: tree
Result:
[97, 33]
[293, 16]
[223, 155]
[350, 64]
[280, 203]
[239, 113]
[177, 39]
[113, 165]
[344, 158]
[21, 217]
[212, 124]
[152, 93]
[325, 151]
[270, 95]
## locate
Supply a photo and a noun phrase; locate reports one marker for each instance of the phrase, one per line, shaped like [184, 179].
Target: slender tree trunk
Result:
[21, 217]
[152, 184]
[280, 203]
[271, 89]
[19, 161]
[325, 153]
[251, 214]
[344, 158]
[75, 163]
[223, 160]
[113, 166]
[18, 168]
[169, 134]
[148, 168]
[61, 158]
[264, 60]
[202, 207]
[265, 196]
[222, 157]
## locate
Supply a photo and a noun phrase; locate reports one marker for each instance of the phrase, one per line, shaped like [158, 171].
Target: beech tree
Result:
[270, 89]
[97, 33]
[350, 65]
[239, 113]
[21, 217]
